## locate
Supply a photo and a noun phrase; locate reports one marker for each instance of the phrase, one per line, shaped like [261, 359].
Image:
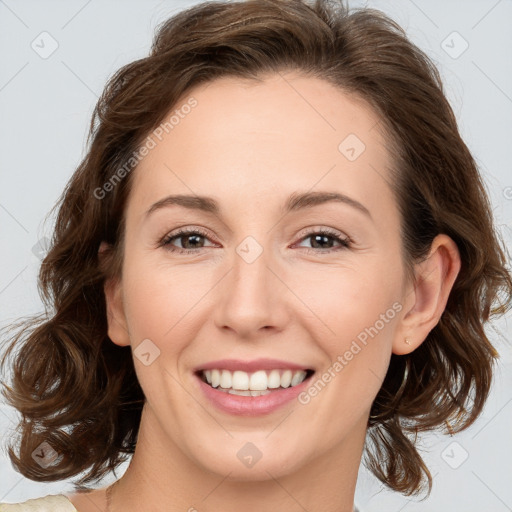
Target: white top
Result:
[52, 503]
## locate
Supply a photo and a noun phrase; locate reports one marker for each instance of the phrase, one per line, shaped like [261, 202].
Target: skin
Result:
[249, 145]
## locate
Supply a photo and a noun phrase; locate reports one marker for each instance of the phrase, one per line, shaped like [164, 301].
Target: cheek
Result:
[347, 302]
[165, 302]
[337, 303]
[356, 314]
[357, 311]
[158, 304]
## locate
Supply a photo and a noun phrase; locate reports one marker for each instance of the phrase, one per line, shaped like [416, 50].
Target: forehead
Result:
[252, 140]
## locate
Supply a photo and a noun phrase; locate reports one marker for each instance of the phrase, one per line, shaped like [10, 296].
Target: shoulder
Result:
[52, 503]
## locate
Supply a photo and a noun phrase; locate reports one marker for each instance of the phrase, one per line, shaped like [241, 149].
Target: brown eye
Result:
[324, 237]
[191, 236]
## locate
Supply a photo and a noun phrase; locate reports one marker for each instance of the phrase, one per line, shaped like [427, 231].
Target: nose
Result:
[251, 299]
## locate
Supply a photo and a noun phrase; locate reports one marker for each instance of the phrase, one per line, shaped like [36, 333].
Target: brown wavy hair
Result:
[79, 392]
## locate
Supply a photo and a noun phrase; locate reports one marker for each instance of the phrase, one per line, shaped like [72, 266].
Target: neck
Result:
[162, 477]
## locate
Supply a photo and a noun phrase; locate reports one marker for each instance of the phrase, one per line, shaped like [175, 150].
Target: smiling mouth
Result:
[261, 382]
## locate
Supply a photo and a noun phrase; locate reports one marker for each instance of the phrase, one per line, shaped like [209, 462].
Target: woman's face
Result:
[261, 281]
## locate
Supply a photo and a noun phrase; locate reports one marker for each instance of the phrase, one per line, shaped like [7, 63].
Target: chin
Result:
[252, 459]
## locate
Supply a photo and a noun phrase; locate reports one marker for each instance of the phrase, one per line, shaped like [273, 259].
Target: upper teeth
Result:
[257, 381]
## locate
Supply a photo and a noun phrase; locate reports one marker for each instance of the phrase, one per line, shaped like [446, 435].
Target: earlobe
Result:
[117, 328]
[427, 297]
[116, 320]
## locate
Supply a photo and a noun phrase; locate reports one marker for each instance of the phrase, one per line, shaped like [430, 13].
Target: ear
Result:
[117, 327]
[425, 300]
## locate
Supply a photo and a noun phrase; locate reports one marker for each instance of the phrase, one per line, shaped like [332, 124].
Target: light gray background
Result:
[46, 104]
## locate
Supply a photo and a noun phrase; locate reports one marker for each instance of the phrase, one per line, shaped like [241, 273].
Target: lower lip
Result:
[251, 405]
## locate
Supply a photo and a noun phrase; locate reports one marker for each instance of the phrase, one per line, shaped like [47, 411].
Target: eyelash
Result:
[345, 242]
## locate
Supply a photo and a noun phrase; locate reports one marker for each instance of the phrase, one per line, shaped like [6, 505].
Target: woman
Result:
[193, 328]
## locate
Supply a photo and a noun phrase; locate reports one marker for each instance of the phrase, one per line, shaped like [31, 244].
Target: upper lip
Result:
[250, 366]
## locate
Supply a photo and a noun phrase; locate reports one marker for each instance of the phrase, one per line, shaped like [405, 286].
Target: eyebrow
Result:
[295, 202]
